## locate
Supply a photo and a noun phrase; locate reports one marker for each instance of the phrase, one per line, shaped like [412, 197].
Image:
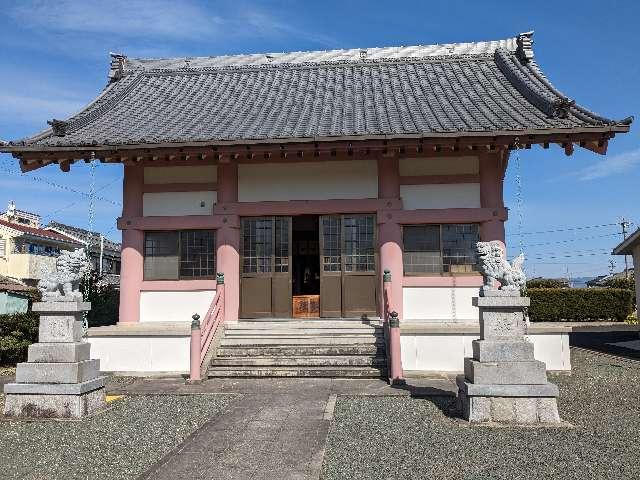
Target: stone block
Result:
[501, 302]
[60, 329]
[473, 390]
[54, 406]
[502, 350]
[531, 372]
[55, 388]
[496, 325]
[503, 410]
[475, 409]
[526, 409]
[548, 410]
[58, 352]
[61, 307]
[73, 372]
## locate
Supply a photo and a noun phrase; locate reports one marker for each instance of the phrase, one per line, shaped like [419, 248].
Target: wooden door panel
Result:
[359, 295]
[331, 296]
[255, 297]
[281, 295]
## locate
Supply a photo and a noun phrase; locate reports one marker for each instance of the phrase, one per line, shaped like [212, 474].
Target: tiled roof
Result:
[467, 88]
[39, 232]
[83, 235]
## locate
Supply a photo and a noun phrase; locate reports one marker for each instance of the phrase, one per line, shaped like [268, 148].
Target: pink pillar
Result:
[228, 240]
[390, 238]
[390, 232]
[491, 180]
[131, 269]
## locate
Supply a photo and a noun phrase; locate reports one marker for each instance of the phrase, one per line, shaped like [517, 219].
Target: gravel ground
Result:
[118, 444]
[397, 438]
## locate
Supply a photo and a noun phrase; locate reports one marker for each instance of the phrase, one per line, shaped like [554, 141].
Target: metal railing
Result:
[392, 334]
[202, 333]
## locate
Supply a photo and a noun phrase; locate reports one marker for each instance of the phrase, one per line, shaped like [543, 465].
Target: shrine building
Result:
[270, 193]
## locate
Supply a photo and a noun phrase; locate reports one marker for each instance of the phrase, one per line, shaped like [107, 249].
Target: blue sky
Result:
[55, 58]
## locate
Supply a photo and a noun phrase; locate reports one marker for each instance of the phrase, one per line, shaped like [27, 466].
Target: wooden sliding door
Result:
[265, 280]
[348, 265]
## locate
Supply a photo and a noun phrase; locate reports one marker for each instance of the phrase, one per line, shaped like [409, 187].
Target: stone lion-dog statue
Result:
[62, 285]
[497, 271]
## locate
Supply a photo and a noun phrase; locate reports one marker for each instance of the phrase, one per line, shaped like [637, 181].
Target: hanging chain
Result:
[520, 213]
[92, 194]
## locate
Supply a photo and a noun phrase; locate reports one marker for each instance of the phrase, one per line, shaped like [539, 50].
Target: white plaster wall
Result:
[175, 204]
[446, 353]
[434, 304]
[447, 195]
[141, 354]
[193, 174]
[307, 181]
[158, 306]
[411, 167]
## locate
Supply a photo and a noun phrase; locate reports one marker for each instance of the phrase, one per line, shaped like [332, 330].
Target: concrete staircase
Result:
[336, 348]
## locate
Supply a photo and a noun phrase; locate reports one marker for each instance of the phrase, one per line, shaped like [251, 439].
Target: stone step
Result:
[299, 325]
[69, 372]
[302, 332]
[301, 350]
[327, 372]
[299, 361]
[314, 340]
[532, 372]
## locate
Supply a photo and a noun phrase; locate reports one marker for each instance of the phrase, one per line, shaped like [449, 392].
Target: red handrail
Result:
[202, 333]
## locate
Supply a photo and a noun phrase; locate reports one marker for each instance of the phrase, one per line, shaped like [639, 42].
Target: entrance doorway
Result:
[305, 253]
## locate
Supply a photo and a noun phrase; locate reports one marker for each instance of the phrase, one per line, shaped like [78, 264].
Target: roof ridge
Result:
[121, 64]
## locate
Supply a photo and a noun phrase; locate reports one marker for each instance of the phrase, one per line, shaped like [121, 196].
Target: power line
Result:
[570, 229]
[573, 240]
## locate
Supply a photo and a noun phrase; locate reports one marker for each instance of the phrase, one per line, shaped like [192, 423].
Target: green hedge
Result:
[547, 283]
[17, 332]
[579, 304]
[104, 298]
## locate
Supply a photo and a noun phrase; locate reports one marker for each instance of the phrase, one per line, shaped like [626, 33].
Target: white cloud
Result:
[127, 18]
[614, 165]
[36, 109]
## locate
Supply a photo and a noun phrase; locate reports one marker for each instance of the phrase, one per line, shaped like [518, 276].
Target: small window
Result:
[3, 247]
[446, 248]
[187, 254]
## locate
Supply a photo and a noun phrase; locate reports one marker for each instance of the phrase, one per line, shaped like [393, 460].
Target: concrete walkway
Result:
[277, 429]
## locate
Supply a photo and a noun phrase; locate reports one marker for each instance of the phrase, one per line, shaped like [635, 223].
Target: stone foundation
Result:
[59, 380]
[503, 382]
[54, 406]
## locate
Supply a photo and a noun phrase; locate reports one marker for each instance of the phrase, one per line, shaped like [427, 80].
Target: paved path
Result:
[277, 429]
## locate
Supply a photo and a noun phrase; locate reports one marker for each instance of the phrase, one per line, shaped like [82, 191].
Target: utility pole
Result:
[624, 223]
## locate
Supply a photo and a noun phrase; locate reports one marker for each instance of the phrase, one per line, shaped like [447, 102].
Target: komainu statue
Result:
[496, 268]
[62, 285]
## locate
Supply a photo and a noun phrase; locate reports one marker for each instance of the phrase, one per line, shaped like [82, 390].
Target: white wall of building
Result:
[307, 181]
[156, 306]
[141, 354]
[436, 304]
[192, 174]
[410, 167]
[175, 204]
[446, 352]
[447, 195]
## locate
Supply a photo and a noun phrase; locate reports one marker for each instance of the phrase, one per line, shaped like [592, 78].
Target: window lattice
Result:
[359, 253]
[257, 245]
[197, 254]
[281, 263]
[331, 244]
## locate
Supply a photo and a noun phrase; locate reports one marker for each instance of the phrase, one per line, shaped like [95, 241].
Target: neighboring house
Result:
[103, 253]
[302, 177]
[27, 249]
[14, 295]
[631, 246]
[602, 280]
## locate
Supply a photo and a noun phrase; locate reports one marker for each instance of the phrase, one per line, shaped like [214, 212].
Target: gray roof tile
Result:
[417, 90]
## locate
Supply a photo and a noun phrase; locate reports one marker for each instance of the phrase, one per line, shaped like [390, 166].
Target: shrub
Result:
[579, 304]
[104, 298]
[547, 283]
[17, 332]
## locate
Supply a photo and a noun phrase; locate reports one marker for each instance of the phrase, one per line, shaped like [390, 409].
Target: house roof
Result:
[626, 246]
[10, 284]
[39, 232]
[83, 235]
[436, 90]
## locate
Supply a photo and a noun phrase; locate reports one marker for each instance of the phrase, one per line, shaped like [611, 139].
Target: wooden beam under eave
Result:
[568, 148]
[65, 165]
[598, 147]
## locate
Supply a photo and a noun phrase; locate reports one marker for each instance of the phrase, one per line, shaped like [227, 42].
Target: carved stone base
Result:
[54, 406]
[516, 410]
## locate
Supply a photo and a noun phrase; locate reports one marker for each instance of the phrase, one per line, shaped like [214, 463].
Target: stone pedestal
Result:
[59, 380]
[503, 382]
